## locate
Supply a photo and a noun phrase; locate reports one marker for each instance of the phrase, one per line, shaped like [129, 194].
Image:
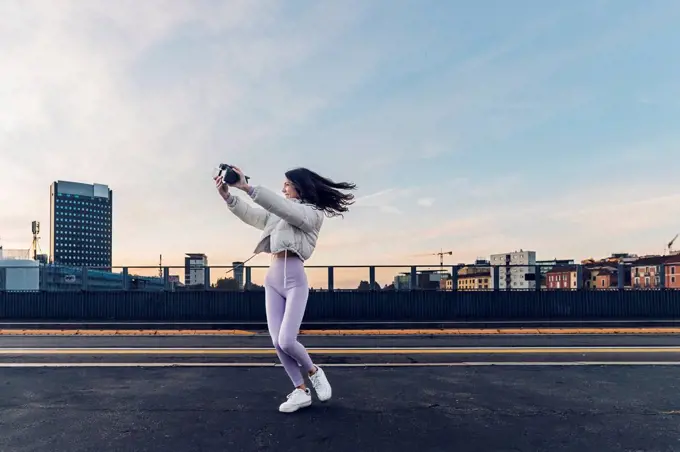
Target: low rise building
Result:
[425, 279]
[645, 272]
[606, 278]
[562, 277]
[515, 270]
[672, 265]
[479, 280]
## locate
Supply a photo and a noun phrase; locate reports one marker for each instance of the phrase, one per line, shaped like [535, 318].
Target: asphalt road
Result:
[340, 350]
[495, 393]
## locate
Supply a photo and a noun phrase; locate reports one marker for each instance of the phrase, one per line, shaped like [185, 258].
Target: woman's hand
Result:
[222, 188]
[241, 184]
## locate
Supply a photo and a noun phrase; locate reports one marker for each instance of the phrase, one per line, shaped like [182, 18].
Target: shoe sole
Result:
[297, 407]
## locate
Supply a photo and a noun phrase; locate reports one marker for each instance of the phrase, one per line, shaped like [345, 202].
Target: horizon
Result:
[469, 129]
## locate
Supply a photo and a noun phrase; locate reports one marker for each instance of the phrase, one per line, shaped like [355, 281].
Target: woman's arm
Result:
[250, 215]
[294, 213]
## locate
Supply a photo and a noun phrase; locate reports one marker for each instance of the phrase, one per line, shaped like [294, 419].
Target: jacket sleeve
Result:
[299, 215]
[250, 215]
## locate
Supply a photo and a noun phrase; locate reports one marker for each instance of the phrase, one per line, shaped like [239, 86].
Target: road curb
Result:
[339, 332]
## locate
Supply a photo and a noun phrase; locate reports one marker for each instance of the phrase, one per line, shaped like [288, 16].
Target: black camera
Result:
[228, 175]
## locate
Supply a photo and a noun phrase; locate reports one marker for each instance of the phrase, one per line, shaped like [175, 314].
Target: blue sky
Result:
[478, 128]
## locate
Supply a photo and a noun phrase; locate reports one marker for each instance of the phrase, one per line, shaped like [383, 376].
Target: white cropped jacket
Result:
[286, 224]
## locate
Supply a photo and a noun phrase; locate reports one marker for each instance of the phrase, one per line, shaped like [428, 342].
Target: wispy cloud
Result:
[426, 202]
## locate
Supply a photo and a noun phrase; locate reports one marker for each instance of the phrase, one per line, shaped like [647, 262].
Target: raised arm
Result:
[250, 215]
[293, 212]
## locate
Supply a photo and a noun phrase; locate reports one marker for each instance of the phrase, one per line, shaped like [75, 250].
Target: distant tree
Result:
[365, 285]
[389, 287]
[227, 284]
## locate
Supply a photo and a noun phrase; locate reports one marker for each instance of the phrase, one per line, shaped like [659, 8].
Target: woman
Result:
[290, 228]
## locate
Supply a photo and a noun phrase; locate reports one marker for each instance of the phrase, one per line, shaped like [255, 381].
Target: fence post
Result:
[43, 277]
[621, 277]
[249, 278]
[454, 277]
[496, 278]
[371, 277]
[166, 278]
[124, 275]
[662, 276]
[579, 277]
[414, 278]
[330, 279]
[538, 277]
[84, 276]
[206, 278]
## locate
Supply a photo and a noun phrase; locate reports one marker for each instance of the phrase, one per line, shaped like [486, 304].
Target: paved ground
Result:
[342, 350]
[382, 409]
[550, 394]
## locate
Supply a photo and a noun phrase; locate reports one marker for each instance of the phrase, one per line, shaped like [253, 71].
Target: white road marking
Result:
[454, 364]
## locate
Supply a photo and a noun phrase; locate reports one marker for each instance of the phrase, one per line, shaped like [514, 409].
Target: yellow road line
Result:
[491, 331]
[340, 332]
[40, 332]
[337, 351]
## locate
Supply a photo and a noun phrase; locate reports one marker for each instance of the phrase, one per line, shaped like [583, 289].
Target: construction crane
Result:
[441, 255]
[670, 244]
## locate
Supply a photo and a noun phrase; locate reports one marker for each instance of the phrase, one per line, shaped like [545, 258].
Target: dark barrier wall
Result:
[343, 306]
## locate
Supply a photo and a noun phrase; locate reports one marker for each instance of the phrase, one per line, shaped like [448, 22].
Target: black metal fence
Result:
[343, 277]
[345, 306]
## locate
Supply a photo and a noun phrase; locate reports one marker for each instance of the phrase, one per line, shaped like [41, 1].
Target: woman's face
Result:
[289, 190]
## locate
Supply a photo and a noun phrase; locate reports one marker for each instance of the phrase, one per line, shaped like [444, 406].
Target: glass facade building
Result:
[81, 224]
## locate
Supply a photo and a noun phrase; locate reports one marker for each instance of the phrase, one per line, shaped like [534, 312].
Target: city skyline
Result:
[540, 127]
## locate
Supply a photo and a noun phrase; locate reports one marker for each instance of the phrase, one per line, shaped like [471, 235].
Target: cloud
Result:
[425, 202]
[384, 201]
[147, 97]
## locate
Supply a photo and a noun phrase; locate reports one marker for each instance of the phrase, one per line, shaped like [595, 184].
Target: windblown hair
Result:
[321, 192]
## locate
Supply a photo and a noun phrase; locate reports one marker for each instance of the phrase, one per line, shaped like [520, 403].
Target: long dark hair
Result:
[321, 192]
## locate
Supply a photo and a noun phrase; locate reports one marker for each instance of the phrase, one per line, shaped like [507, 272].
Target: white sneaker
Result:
[296, 400]
[321, 385]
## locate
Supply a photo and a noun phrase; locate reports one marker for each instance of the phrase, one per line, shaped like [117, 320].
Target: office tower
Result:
[194, 269]
[81, 224]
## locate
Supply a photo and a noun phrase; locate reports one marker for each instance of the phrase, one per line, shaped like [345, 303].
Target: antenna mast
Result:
[35, 245]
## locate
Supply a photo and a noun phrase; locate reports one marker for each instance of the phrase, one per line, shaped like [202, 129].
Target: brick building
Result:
[672, 265]
[606, 278]
[645, 272]
[561, 277]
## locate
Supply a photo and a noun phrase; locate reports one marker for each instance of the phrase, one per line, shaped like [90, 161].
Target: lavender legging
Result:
[285, 304]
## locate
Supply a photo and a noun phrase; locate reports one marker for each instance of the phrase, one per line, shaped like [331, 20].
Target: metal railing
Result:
[463, 278]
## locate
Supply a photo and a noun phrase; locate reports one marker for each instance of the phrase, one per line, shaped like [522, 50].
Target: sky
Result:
[474, 128]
